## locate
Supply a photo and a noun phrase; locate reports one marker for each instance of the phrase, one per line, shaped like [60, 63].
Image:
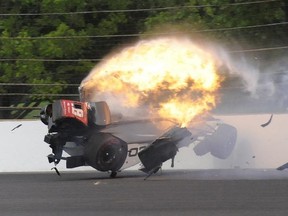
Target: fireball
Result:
[173, 76]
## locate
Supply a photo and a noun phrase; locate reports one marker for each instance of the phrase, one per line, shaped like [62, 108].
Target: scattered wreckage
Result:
[87, 132]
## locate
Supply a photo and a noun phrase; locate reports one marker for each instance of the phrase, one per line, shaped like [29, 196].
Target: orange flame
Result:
[170, 74]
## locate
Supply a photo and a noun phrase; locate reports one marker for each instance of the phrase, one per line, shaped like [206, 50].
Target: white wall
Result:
[24, 149]
[269, 145]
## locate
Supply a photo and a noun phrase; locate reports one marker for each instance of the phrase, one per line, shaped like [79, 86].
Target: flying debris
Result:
[267, 123]
[56, 170]
[16, 127]
[284, 166]
[86, 131]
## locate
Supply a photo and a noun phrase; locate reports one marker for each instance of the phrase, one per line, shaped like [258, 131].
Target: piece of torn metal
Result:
[16, 127]
[267, 123]
[284, 166]
[58, 173]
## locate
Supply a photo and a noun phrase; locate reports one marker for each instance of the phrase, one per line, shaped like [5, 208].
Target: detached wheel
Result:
[223, 141]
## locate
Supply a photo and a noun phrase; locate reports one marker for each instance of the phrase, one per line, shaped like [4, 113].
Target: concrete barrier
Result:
[23, 149]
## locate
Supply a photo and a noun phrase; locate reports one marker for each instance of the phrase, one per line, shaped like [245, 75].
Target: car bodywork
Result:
[87, 132]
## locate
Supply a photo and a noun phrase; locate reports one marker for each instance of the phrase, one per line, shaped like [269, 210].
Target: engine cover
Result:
[105, 152]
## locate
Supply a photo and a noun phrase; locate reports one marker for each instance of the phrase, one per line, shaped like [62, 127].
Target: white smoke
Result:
[262, 83]
[274, 83]
[239, 66]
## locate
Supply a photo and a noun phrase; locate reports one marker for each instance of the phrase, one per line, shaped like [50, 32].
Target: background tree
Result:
[54, 35]
[58, 42]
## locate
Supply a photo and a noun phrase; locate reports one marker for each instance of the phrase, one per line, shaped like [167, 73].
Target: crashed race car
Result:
[87, 132]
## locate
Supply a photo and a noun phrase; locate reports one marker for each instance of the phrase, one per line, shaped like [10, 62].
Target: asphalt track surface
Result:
[182, 192]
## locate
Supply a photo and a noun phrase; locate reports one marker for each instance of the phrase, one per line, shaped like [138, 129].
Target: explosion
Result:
[172, 76]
